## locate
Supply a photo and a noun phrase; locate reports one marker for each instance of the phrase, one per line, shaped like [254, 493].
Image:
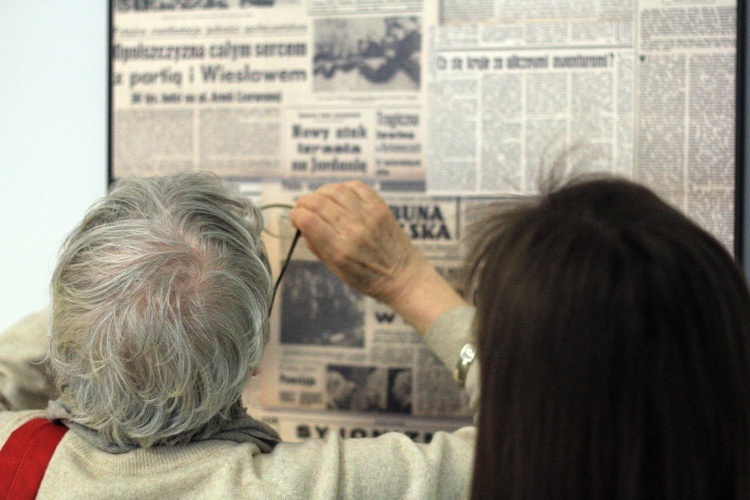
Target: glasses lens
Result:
[276, 222]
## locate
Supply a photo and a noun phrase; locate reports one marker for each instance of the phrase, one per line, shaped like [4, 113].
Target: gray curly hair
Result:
[160, 309]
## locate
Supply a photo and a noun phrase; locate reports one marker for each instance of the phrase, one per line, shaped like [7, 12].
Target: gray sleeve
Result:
[24, 380]
[450, 332]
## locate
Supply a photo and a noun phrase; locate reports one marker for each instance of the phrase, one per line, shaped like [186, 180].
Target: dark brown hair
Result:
[613, 341]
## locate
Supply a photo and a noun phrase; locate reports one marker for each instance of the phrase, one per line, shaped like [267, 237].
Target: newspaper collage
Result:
[335, 353]
[442, 107]
[272, 90]
[642, 88]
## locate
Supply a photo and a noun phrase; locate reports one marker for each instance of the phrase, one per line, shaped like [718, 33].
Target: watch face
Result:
[467, 353]
[465, 359]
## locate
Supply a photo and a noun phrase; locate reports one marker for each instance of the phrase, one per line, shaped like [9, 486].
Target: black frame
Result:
[110, 96]
[742, 141]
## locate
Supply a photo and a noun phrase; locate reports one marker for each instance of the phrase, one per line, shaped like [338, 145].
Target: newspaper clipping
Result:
[335, 350]
[640, 88]
[270, 89]
[440, 106]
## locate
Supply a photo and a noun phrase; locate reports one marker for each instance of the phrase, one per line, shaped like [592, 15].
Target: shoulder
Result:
[35, 324]
[391, 465]
[12, 420]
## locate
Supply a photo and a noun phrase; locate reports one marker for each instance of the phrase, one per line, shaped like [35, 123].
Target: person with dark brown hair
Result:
[613, 335]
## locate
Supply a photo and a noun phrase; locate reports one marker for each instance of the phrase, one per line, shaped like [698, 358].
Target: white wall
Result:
[53, 137]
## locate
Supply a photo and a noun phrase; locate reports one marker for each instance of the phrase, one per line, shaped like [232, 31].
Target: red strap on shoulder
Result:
[25, 456]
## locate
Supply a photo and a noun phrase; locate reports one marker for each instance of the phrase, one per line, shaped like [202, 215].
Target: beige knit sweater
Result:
[390, 466]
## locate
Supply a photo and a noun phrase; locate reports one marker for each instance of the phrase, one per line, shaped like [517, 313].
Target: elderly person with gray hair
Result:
[159, 317]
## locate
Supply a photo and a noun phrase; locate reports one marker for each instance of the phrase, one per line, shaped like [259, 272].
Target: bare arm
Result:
[351, 230]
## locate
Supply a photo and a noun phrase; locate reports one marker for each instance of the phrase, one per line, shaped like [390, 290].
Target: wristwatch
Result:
[465, 359]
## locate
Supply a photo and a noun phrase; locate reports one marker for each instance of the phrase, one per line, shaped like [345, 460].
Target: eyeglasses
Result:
[297, 234]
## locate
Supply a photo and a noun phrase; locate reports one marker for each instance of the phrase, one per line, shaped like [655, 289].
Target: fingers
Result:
[326, 217]
[345, 195]
[338, 205]
[365, 192]
[378, 214]
[314, 228]
[319, 207]
[313, 249]
[333, 203]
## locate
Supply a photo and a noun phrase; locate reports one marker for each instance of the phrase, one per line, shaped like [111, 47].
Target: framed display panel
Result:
[441, 106]
[742, 197]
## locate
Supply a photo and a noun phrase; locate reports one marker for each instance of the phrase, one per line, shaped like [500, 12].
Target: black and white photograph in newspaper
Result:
[319, 309]
[367, 54]
[356, 388]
